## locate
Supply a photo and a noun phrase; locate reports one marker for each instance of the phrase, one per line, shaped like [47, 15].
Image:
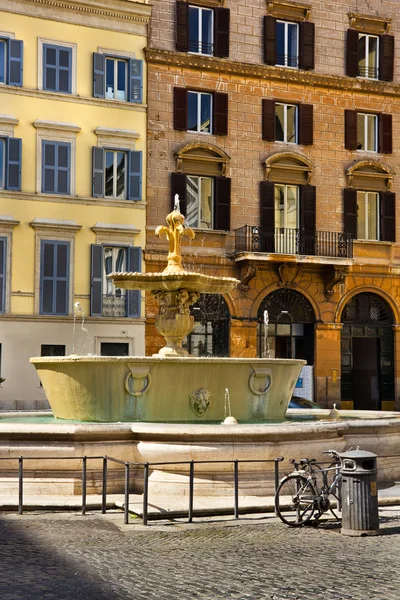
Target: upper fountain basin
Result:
[192, 282]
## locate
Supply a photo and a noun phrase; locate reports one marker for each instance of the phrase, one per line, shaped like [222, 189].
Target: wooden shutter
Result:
[386, 57]
[306, 46]
[97, 172]
[267, 216]
[133, 297]
[350, 129]
[96, 281]
[350, 211]
[306, 124]
[220, 114]
[180, 109]
[385, 133]
[268, 120]
[352, 53]
[63, 167]
[222, 203]
[99, 68]
[54, 277]
[178, 186]
[135, 175]
[388, 217]
[221, 32]
[182, 26]
[136, 81]
[15, 62]
[269, 40]
[48, 167]
[14, 164]
[3, 255]
[307, 219]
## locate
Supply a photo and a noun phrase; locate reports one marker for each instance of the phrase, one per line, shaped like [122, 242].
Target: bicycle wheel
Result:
[295, 500]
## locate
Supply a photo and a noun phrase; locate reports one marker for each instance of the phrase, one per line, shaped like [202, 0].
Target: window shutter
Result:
[385, 133]
[269, 40]
[133, 297]
[3, 255]
[350, 211]
[182, 26]
[54, 277]
[178, 186]
[63, 167]
[220, 114]
[386, 57]
[350, 129]
[306, 46]
[15, 62]
[180, 109]
[99, 67]
[96, 280]
[14, 164]
[135, 175]
[267, 216]
[307, 219]
[352, 53]
[136, 81]
[306, 124]
[97, 172]
[268, 120]
[222, 203]
[388, 217]
[221, 32]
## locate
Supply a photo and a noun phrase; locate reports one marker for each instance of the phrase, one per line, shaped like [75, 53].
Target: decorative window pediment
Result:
[202, 159]
[284, 9]
[288, 167]
[370, 175]
[369, 23]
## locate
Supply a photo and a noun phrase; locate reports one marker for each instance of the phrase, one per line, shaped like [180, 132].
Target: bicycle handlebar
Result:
[332, 453]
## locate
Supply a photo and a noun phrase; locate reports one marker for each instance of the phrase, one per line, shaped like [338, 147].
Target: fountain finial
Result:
[174, 232]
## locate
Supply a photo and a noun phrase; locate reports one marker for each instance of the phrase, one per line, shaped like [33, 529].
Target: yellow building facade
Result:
[72, 183]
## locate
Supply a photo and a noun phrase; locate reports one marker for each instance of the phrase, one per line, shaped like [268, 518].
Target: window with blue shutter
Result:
[116, 174]
[10, 163]
[54, 277]
[133, 297]
[3, 256]
[11, 59]
[135, 175]
[57, 68]
[117, 78]
[56, 167]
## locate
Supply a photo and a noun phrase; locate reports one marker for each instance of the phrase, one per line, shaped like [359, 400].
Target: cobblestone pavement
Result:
[70, 557]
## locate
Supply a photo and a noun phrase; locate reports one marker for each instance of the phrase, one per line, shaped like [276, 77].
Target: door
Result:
[365, 374]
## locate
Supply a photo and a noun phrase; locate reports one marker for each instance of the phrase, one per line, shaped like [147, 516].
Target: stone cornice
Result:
[265, 72]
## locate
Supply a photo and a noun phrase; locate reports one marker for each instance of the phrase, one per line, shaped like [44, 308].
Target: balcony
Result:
[324, 244]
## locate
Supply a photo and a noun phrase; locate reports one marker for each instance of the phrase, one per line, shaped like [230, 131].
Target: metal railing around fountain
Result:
[146, 472]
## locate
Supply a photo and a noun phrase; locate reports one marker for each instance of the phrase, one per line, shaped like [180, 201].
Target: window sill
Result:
[89, 200]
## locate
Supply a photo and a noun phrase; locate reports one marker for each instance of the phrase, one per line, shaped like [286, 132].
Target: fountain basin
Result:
[156, 389]
[192, 282]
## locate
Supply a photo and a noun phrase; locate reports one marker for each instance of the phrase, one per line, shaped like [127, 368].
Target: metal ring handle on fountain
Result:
[137, 375]
[259, 374]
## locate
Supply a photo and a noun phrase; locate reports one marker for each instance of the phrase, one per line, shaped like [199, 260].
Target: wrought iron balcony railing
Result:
[333, 244]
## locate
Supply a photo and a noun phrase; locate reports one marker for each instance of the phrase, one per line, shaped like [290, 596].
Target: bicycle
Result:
[300, 496]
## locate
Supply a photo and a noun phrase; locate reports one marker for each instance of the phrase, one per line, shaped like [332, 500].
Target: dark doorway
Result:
[365, 376]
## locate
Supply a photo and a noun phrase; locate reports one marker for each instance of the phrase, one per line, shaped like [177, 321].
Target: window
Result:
[199, 112]
[368, 56]
[287, 44]
[3, 258]
[286, 123]
[54, 277]
[117, 78]
[367, 216]
[105, 299]
[57, 68]
[52, 350]
[114, 349]
[199, 212]
[286, 206]
[11, 55]
[367, 132]
[10, 163]
[202, 30]
[56, 167]
[117, 174]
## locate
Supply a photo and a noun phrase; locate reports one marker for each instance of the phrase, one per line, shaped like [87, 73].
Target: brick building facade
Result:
[277, 123]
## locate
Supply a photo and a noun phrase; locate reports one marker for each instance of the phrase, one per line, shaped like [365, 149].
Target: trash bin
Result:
[359, 493]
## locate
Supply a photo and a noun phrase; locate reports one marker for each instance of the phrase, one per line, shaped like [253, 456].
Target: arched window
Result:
[210, 335]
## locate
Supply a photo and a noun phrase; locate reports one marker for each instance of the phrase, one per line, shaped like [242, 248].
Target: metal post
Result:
[20, 484]
[191, 482]
[145, 492]
[236, 465]
[104, 491]
[276, 464]
[126, 513]
[84, 485]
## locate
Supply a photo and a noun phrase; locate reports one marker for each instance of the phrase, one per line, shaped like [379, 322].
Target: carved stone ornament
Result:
[288, 273]
[199, 401]
[336, 276]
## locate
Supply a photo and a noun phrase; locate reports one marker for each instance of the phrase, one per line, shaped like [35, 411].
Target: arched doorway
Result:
[291, 326]
[210, 335]
[367, 352]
